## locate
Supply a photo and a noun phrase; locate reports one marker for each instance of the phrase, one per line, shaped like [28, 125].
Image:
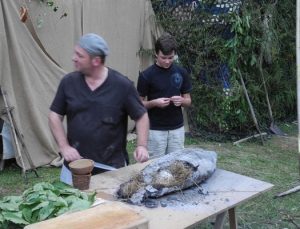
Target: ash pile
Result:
[170, 173]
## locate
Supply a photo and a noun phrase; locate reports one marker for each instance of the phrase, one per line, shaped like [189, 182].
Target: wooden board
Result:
[109, 215]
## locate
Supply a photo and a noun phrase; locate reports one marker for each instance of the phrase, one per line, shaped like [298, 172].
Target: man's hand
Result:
[70, 153]
[162, 102]
[177, 100]
[141, 154]
[55, 123]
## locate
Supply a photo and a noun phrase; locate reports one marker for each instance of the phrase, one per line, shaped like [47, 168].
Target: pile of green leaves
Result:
[42, 201]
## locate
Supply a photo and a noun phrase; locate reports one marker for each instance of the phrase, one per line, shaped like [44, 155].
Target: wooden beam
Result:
[292, 190]
[247, 138]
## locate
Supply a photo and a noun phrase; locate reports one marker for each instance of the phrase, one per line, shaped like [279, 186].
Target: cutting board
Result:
[108, 215]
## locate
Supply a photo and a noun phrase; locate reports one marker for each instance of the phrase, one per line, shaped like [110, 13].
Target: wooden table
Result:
[226, 190]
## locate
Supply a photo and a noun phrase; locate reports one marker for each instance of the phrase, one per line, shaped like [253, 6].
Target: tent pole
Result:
[18, 137]
[13, 132]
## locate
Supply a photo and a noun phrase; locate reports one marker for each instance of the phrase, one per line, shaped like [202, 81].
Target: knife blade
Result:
[103, 166]
[97, 164]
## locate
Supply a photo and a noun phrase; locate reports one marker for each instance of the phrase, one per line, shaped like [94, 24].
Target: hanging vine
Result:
[50, 4]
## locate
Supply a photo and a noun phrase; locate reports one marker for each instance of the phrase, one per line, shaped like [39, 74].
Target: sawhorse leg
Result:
[221, 217]
[232, 218]
[220, 220]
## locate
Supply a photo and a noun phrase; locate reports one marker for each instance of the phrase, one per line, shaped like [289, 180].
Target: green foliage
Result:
[256, 43]
[43, 201]
[51, 4]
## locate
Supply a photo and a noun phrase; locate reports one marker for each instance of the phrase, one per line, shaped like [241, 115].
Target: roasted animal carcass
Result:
[173, 172]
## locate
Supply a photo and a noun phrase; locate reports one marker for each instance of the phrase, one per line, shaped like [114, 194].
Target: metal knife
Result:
[97, 164]
[103, 166]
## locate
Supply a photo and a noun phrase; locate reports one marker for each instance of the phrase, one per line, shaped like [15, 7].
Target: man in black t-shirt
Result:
[164, 89]
[97, 101]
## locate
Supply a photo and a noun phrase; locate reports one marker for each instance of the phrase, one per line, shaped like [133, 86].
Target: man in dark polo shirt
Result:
[97, 101]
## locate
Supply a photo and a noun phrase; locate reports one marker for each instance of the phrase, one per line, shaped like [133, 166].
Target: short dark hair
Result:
[102, 57]
[166, 43]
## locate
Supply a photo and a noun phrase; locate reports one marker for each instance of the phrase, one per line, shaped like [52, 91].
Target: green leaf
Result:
[62, 211]
[35, 216]
[84, 196]
[32, 198]
[71, 199]
[1, 218]
[247, 41]
[48, 195]
[10, 206]
[27, 192]
[61, 185]
[50, 3]
[70, 191]
[41, 205]
[45, 212]
[15, 199]
[42, 186]
[92, 197]
[79, 204]
[15, 217]
[60, 202]
[4, 225]
[247, 19]
[253, 60]
[27, 214]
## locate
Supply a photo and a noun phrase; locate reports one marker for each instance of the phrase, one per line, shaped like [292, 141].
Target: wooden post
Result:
[251, 107]
[232, 219]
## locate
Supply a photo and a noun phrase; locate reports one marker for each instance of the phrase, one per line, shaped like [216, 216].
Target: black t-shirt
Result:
[97, 120]
[156, 82]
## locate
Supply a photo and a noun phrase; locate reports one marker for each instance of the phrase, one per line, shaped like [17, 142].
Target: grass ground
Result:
[276, 162]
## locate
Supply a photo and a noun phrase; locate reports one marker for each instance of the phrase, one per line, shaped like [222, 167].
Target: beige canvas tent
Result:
[34, 55]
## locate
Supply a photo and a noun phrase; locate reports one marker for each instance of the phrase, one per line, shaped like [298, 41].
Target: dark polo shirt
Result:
[97, 120]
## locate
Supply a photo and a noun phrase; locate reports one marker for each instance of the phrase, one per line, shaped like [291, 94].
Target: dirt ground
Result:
[286, 142]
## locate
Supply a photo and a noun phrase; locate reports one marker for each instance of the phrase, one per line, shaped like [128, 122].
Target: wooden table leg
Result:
[1, 159]
[232, 218]
[1, 164]
[220, 220]
[221, 217]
